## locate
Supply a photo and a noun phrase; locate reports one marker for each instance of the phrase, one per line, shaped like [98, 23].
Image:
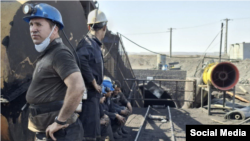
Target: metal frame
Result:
[210, 89]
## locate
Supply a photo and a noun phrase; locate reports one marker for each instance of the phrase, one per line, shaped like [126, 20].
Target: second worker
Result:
[91, 60]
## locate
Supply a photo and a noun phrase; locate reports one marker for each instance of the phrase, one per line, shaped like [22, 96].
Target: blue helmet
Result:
[43, 10]
[107, 84]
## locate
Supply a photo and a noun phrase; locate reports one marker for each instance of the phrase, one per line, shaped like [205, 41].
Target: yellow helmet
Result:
[96, 16]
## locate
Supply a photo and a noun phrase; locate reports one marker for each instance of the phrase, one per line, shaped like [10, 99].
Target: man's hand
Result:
[51, 129]
[130, 107]
[125, 112]
[98, 88]
[121, 119]
[105, 120]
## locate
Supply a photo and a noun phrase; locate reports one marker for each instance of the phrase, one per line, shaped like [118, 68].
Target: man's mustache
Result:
[34, 33]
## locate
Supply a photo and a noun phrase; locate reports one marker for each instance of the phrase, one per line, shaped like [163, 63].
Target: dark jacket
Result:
[120, 99]
[108, 108]
[91, 60]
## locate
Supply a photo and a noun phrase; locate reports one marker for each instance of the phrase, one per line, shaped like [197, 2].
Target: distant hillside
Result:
[175, 53]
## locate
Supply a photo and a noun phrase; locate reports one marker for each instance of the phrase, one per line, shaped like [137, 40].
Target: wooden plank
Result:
[237, 96]
[202, 86]
[221, 106]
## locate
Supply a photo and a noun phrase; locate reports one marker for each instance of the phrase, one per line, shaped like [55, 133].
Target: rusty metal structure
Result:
[116, 61]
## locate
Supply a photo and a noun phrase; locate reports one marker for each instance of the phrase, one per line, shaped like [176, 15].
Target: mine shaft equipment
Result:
[29, 9]
[158, 82]
[219, 77]
[223, 76]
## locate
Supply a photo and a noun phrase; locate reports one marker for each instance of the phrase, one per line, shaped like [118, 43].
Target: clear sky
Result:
[132, 17]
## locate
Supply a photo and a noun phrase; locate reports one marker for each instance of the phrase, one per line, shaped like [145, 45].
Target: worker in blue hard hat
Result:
[57, 85]
[117, 120]
[91, 61]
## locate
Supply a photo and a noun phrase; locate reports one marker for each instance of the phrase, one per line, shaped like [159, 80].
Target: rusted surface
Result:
[8, 10]
[5, 136]
[18, 58]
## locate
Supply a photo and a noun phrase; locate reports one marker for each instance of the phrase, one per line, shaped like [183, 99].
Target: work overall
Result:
[91, 60]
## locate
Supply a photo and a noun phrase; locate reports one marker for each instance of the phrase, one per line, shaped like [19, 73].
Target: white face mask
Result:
[42, 46]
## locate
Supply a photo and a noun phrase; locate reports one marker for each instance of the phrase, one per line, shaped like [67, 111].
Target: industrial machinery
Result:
[221, 76]
[213, 76]
[18, 59]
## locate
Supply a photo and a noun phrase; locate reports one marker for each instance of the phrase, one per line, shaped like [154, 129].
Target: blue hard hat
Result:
[107, 83]
[43, 10]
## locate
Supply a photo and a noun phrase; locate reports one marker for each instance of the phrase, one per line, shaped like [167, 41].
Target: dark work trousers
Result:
[74, 132]
[90, 116]
[115, 124]
[106, 131]
[118, 108]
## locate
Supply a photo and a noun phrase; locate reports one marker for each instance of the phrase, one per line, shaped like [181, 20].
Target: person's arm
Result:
[84, 52]
[124, 101]
[75, 89]
[65, 65]
[129, 107]
[120, 118]
[111, 115]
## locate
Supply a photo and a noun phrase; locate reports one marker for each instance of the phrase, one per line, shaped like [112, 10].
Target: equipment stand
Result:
[210, 89]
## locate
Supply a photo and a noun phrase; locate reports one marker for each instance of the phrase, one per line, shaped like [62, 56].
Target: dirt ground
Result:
[155, 130]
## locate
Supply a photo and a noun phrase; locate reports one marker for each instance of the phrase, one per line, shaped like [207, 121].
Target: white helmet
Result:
[106, 78]
[96, 16]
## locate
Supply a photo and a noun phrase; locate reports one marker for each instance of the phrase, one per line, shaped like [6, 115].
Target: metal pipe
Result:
[170, 80]
[171, 123]
[150, 99]
[224, 98]
[143, 91]
[139, 131]
[202, 97]
[170, 52]
[194, 93]
[234, 98]
[209, 100]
